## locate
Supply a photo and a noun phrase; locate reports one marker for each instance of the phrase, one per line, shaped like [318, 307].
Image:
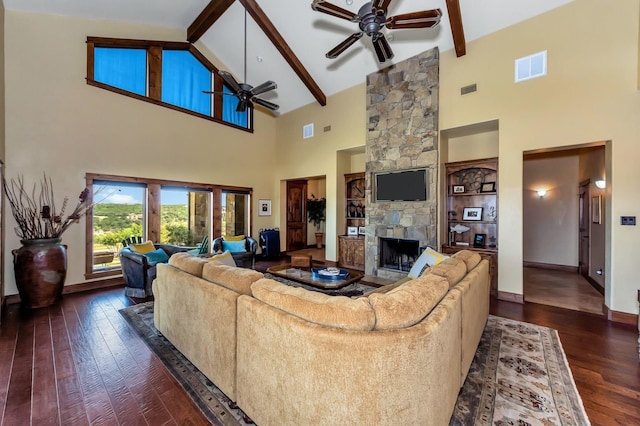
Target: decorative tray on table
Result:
[330, 273]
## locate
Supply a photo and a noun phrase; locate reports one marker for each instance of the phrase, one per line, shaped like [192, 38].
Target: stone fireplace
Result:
[402, 120]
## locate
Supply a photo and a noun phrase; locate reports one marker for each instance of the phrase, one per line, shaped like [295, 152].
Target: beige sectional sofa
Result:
[289, 356]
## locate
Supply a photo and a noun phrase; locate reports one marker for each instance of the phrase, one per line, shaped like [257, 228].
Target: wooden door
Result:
[583, 230]
[296, 215]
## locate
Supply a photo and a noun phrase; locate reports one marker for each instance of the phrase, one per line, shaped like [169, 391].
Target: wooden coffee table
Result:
[306, 276]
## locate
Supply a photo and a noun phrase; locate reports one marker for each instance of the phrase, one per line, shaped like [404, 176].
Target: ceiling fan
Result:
[246, 93]
[371, 18]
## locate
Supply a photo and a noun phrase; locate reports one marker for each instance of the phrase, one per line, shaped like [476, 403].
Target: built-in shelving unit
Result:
[472, 210]
[351, 245]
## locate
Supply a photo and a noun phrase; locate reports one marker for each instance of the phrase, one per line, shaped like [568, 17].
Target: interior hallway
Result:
[562, 289]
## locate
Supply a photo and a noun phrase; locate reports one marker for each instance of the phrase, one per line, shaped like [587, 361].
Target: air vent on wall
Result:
[531, 66]
[468, 89]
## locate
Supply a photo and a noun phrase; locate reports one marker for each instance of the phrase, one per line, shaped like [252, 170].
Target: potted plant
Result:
[316, 213]
[40, 265]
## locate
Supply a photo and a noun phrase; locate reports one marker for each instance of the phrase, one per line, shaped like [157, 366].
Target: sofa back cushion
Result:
[188, 263]
[470, 258]
[409, 303]
[331, 311]
[453, 269]
[231, 277]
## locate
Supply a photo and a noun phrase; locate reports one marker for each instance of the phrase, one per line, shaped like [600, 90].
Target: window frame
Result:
[154, 50]
[152, 214]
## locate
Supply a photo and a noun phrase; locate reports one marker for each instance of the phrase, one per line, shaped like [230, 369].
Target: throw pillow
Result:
[236, 238]
[157, 256]
[234, 246]
[143, 248]
[429, 257]
[224, 258]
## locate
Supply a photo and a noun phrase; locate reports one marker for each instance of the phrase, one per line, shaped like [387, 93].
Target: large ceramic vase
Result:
[40, 268]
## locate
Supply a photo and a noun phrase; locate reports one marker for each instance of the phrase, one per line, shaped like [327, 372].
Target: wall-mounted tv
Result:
[404, 185]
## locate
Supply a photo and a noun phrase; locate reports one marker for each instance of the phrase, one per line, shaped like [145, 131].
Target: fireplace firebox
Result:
[398, 254]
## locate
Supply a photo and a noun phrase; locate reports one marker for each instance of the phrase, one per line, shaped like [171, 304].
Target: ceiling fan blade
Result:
[380, 6]
[264, 87]
[333, 53]
[218, 93]
[242, 106]
[381, 46]
[230, 81]
[333, 10]
[266, 104]
[423, 19]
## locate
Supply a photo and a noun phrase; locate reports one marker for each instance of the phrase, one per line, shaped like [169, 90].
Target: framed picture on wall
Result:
[264, 207]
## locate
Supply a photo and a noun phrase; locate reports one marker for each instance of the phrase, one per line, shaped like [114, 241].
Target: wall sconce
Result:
[601, 183]
[542, 193]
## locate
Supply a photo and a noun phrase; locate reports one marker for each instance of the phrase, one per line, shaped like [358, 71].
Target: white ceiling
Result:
[309, 35]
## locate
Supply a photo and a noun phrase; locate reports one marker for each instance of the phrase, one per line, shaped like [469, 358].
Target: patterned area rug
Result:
[519, 376]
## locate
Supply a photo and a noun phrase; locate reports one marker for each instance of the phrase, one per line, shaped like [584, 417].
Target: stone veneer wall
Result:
[402, 115]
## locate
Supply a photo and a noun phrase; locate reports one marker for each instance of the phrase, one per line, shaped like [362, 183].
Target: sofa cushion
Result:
[331, 311]
[157, 256]
[429, 257]
[225, 258]
[234, 246]
[453, 269]
[231, 277]
[188, 263]
[409, 303]
[143, 248]
[235, 238]
[471, 258]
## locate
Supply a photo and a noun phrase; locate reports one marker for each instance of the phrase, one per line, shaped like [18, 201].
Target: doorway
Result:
[563, 243]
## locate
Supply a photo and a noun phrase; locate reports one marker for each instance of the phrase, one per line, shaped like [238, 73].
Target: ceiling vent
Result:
[307, 131]
[531, 66]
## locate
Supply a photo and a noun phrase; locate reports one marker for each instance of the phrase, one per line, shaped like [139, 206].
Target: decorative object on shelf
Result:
[352, 230]
[361, 230]
[492, 214]
[265, 208]
[472, 179]
[316, 213]
[472, 213]
[40, 265]
[492, 241]
[488, 187]
[458, 189]
[458, 229]
[479, 240]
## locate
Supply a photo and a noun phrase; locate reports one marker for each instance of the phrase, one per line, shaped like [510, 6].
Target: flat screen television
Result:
[404, 185]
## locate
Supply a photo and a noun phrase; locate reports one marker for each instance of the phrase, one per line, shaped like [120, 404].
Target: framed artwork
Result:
[488, 187]
[352, 230]
[264, 207]
[479, 240]
[361, 230]
[472, 213]
[595, 209]
[458, 189]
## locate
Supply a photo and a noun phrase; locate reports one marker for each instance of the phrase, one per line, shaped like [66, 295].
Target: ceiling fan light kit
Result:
[372, 18]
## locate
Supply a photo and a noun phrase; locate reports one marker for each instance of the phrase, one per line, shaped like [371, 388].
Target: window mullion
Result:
[154, 61]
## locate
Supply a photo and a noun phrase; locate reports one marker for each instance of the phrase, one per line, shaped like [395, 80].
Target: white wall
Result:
[551, 223]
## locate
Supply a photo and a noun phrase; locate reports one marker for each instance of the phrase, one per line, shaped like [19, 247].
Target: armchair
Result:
[244, 259]
[139, 272]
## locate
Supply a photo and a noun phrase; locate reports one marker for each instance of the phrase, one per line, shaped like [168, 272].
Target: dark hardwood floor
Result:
[80, 363]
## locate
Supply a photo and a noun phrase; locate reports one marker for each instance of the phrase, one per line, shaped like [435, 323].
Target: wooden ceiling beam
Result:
[278, 41]
[455, 20]
[207, 17]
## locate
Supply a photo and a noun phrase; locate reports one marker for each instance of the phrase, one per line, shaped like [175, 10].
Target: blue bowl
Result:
[340, 276]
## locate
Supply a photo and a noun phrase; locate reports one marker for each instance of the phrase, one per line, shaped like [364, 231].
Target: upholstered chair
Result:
[244, 258]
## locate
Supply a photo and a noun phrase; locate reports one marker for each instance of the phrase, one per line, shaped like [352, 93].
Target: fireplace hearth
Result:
[398, 254]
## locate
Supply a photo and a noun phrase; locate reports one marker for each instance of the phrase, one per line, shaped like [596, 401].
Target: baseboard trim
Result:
[550, 266]
[511, 297]
[620, 317]
[77, 288]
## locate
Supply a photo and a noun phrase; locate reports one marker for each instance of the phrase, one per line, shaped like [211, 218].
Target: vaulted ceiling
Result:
[287, 41]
